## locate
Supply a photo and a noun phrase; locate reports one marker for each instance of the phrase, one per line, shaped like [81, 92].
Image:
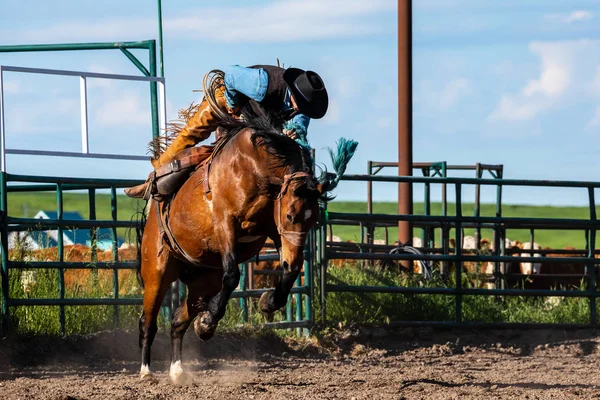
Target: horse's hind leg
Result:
[156, 283]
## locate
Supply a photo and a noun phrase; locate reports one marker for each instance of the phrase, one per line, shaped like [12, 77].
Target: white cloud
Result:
[562, 63]
[513, 109]
[11, 87]
[346, 87]
[128, 108]
[595, 121]
[38, 117]
[596, 84]
[281, 21]
[384, 122]
[334, 113]
[444, 98]
[554, 78]
[572, 17]
[579, 15]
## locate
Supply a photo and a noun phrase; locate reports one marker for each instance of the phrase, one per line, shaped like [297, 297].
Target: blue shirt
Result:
[253, 83]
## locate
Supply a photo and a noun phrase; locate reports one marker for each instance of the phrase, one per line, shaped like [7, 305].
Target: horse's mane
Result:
[283, 151]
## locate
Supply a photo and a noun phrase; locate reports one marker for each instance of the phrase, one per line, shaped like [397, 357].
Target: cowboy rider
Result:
[292, 95]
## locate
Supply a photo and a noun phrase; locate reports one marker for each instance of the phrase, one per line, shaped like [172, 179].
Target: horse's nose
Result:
[285, 265]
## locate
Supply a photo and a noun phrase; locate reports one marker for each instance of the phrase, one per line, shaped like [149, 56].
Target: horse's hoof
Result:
[266, 302]
[205, 326]
[179, 376]
[146, 375]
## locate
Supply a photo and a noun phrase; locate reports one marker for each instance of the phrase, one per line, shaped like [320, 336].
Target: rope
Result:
[426, 269]
[211, 81]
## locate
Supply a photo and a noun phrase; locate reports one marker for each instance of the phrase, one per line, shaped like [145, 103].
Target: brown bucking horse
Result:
[262, 186]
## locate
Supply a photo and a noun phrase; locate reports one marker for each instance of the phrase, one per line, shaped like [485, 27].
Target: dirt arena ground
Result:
[350, 364]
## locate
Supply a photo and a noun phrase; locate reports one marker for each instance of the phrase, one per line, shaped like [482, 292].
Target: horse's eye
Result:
[290, 218]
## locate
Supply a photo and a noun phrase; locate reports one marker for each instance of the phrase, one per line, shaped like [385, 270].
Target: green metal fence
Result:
[29, 225]
[500, 224]
[298, 313]
[124, 47]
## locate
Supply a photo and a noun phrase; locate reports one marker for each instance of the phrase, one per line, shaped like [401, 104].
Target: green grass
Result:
[342, 307]
[345, 308]
[546, 238]
[28, 204]
[348, 308]
[78, 319]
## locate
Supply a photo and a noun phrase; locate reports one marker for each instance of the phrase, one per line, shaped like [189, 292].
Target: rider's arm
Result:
[250, 82]
[297, 125]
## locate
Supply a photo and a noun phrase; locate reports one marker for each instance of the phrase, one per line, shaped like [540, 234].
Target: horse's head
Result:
[296, 212]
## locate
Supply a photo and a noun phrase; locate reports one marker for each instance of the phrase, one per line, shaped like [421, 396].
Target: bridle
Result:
[295, 238]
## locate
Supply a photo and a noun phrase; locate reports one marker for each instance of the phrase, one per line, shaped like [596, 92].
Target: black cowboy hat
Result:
[308, 90]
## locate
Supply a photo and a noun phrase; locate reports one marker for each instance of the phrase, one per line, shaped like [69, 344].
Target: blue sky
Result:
[512, 82]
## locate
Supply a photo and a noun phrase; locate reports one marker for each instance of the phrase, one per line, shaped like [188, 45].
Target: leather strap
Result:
[295, 238]
[185, 159]
[165, 231]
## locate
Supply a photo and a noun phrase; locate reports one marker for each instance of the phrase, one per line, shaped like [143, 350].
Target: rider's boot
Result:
[198, 128]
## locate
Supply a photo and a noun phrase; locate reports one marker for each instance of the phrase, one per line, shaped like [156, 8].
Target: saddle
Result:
[166, 179]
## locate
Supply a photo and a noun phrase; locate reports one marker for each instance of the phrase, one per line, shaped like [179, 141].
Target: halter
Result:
[295, 238]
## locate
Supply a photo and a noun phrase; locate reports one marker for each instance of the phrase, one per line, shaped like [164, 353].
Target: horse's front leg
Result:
[291, 259]
[207, 322]
[182, 318]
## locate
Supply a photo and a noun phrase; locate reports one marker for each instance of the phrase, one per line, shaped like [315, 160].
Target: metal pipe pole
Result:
[405, 158]
[160, 40]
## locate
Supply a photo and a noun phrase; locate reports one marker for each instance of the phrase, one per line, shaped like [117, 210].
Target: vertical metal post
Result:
[288, 309]
[370, 237]
[426, 231]
[478, 173]
[94, 230]
[115, 251]
[160, 40]
[298, 300]
[501, 272]
[3, 212]
[244, 287]
[445, 239]
[4, 254]
[2, 126]
[61, 257]
[405, 161]
[163, 106]
[500, 232]
[531, 240]
[591, 254]
[324, 261]
[458, 264]
[153, 92]
[308, 279]
[85, 146]
[499, 196]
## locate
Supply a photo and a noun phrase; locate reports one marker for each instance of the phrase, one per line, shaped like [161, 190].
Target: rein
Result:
[295, 238]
